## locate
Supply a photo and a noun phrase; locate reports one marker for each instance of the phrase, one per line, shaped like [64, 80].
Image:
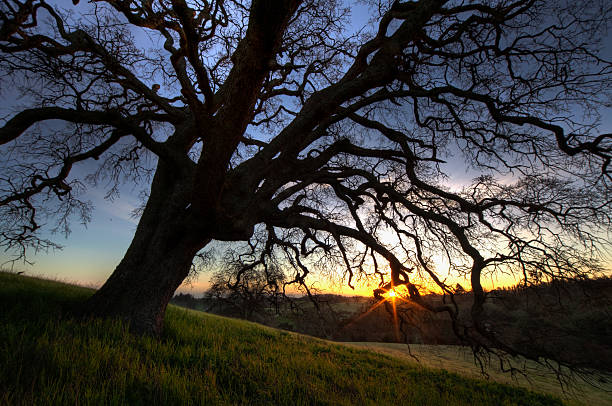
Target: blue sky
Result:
[91, 252]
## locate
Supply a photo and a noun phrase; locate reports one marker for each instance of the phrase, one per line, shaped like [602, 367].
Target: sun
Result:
[391, 293]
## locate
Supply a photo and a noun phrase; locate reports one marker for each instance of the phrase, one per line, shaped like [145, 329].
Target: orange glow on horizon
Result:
[426, 285]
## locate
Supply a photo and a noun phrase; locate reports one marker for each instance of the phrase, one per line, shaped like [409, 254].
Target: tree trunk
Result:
[143, 283]
[157, 261]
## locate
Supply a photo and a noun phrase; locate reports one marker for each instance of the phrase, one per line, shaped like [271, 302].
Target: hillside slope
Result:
[48, 357]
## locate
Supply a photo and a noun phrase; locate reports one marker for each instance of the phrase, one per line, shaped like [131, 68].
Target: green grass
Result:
[47, 357]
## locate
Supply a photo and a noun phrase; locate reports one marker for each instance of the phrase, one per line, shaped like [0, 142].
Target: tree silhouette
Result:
[275, 123]
[246, 291]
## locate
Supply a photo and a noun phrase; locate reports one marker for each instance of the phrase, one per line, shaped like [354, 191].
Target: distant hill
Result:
[49, 357]
[569, 320]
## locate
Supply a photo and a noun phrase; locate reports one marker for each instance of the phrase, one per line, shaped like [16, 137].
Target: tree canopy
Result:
[319, 144]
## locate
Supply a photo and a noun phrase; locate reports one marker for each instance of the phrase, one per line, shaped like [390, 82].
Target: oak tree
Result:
[318, 144]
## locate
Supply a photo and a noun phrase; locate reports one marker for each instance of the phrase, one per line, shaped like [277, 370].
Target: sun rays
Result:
[391, 296]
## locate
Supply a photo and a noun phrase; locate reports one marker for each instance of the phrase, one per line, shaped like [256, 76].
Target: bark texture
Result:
[156, 263]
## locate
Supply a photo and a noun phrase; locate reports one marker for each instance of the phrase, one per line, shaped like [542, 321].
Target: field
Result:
[48, 357]
[460, 360]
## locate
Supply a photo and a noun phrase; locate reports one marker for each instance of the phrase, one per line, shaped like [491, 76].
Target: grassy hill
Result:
[47, 357]
[460, 359]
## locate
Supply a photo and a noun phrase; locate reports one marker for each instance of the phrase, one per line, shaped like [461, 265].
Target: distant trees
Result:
[248, 292]
[276, 123]
[185, 300]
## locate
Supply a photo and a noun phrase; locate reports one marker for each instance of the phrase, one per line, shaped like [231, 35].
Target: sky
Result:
[92, 251]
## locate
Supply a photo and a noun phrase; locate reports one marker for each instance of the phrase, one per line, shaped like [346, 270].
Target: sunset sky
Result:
[92, 251]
